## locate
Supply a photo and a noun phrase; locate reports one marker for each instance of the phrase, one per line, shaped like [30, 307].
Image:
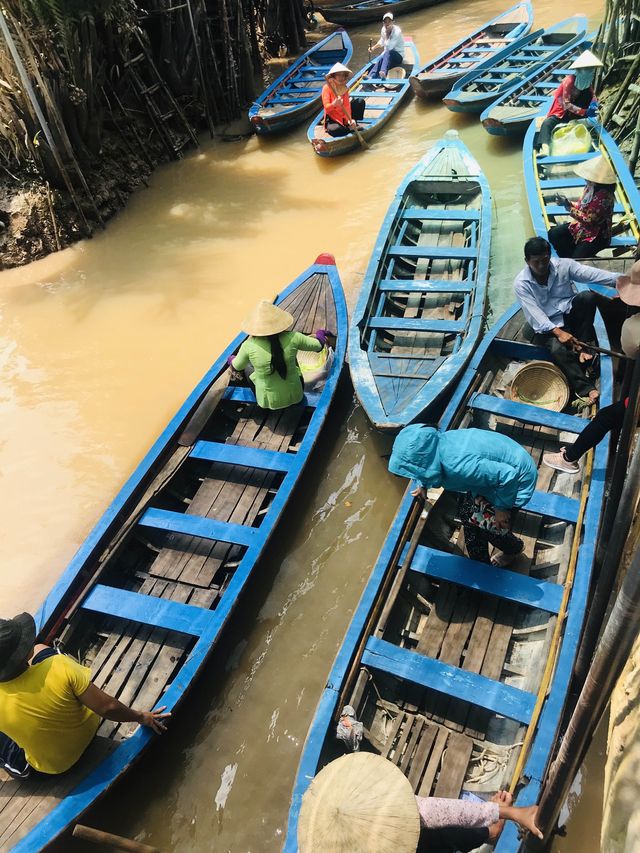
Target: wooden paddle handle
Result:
[97, 836]
[355, 130]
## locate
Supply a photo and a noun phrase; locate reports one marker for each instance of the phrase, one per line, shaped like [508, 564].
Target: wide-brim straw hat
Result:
[360, 803]
[598, 170]
[631, 336]
[266, 319]
[628, 286]
[586, 60]
[337, 69]
[541, 383]
[17, 638]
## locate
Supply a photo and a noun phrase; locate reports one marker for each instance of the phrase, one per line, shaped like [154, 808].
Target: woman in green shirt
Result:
[271, 350]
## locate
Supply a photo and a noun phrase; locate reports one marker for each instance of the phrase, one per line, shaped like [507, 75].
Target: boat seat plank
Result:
[205, 528]
[424, 286]
[444, 678]
[242, 394]
[454, 766]
[147, 609]
[416, 324]
[526, 413]
[554, 506]
[429, 772]
[439, 252]
[487, 579]
[519, 350]
[251, 457]
[566, 158]
[560, 183]
[437, 214]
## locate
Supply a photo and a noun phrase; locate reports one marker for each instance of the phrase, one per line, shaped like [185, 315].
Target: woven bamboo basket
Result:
[541, 383]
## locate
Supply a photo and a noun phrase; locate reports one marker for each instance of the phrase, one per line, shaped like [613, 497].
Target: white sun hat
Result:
[598, 170]
[266, 319]
[337, 69]
[628, 286]
[387, 15]
[360, 803]
[586, 60]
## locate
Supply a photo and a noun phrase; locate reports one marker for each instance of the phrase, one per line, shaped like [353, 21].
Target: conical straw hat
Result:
[586, 60]
[337, 68]
[628, 286]
[360, 803]
[266, 319]
[597, 169]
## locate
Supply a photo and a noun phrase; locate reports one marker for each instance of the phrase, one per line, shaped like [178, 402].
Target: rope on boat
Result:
[557, 631]
[500, 761]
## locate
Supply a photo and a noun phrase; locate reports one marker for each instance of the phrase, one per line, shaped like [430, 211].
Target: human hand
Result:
[419, 493]
[565, 338]
[563, 200]
[154, 719]
[503, 518]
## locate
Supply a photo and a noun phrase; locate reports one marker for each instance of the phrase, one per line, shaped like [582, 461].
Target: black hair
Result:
[610, 187]
[277, 357]
[536, 246]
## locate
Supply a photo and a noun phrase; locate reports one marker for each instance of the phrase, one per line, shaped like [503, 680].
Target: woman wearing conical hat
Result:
[592, 214]
[341, 114]
[271, 350]
[572, 98]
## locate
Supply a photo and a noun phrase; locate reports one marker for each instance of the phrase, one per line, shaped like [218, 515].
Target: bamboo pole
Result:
[613, 652]
[97, 836]
[203, 85]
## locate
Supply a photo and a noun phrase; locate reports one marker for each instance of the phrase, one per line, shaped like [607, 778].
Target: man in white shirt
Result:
[558, 315]
[392, 44]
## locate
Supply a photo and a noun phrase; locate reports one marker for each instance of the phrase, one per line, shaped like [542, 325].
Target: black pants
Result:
[607, 419]
[579, 322]
[562, 241]
[477, 540]
[333, 128]
[546, 129]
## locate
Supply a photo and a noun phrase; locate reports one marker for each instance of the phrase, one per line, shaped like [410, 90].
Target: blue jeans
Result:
[389, 59]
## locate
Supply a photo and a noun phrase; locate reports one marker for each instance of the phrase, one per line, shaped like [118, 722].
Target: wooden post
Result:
[613, 652]
[97, 836]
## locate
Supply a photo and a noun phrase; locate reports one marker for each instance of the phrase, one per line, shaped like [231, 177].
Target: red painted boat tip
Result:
[326, 260]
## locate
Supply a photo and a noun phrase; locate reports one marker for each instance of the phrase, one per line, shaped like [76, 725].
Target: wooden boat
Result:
[370, 10]
[546, 176]
[145, 599]
[438, 76]
[479, 88]
[295, 95]
[512, 112]
[459, 671]
[420, 311]
[383, 97]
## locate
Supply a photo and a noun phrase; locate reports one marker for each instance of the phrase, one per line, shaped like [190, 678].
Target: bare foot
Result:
[527, 820]
[503, 798]
[584, 357]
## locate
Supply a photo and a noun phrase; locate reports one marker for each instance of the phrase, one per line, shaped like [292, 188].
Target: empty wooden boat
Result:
[370, 10]
[419, 314]
[513, 111]
[383, 98]
[479, 88]
[295, 95]
[438, 76]
[459, 670]
[145, 599]
[546, 176]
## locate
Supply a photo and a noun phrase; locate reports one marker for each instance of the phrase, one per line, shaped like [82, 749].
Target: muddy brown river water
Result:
[99, 345]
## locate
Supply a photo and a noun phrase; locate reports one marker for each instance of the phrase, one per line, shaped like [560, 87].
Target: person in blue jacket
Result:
[493, 474]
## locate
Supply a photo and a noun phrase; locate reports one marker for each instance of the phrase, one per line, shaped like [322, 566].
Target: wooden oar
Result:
[363, 142]
[605, 351]
[204, 411]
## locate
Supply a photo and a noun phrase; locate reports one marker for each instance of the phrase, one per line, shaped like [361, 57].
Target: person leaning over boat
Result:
[271, 350]
[341, 114]
[493, 474]
[572, 99]
[49, 708]
[391, 42]
[593, 213]
[559, 317]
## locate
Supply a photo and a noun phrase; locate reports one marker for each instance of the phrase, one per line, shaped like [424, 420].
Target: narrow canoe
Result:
[370, 10]
[145, 599]
[295, 95]
[477, 90]
[444, 658]
[514, 110]
[383, 97]
[546, 176]
[438, 76]
[420, 311]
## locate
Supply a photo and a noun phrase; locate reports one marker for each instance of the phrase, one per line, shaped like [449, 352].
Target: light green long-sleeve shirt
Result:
[272, 391]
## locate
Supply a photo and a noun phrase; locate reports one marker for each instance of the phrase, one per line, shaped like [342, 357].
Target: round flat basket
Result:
[541, 383]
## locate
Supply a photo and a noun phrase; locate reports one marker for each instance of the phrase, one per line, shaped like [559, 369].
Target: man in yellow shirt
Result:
[49, 709]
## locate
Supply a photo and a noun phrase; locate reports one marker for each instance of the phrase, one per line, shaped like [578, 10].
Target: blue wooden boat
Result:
[145, 599]
[546, 176]
[296, 94]
[419, 314]
[370, 10]
[479, 88]
[383, 97]
[512, 112]
[438, 76]
[445, 658]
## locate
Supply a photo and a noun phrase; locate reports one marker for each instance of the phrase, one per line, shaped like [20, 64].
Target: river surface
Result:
[99, 345]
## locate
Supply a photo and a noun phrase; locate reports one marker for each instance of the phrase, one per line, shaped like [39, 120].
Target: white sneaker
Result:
[560, 462]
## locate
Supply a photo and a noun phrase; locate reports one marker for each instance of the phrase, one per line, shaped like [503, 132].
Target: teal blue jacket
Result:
[466, 460]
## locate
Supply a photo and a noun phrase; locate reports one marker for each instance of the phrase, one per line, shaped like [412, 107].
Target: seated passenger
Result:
[341, 114]
[593, 213]
[391, 42]
[49, 709]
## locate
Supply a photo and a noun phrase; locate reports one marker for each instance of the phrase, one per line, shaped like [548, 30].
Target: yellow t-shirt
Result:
[40, 712]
